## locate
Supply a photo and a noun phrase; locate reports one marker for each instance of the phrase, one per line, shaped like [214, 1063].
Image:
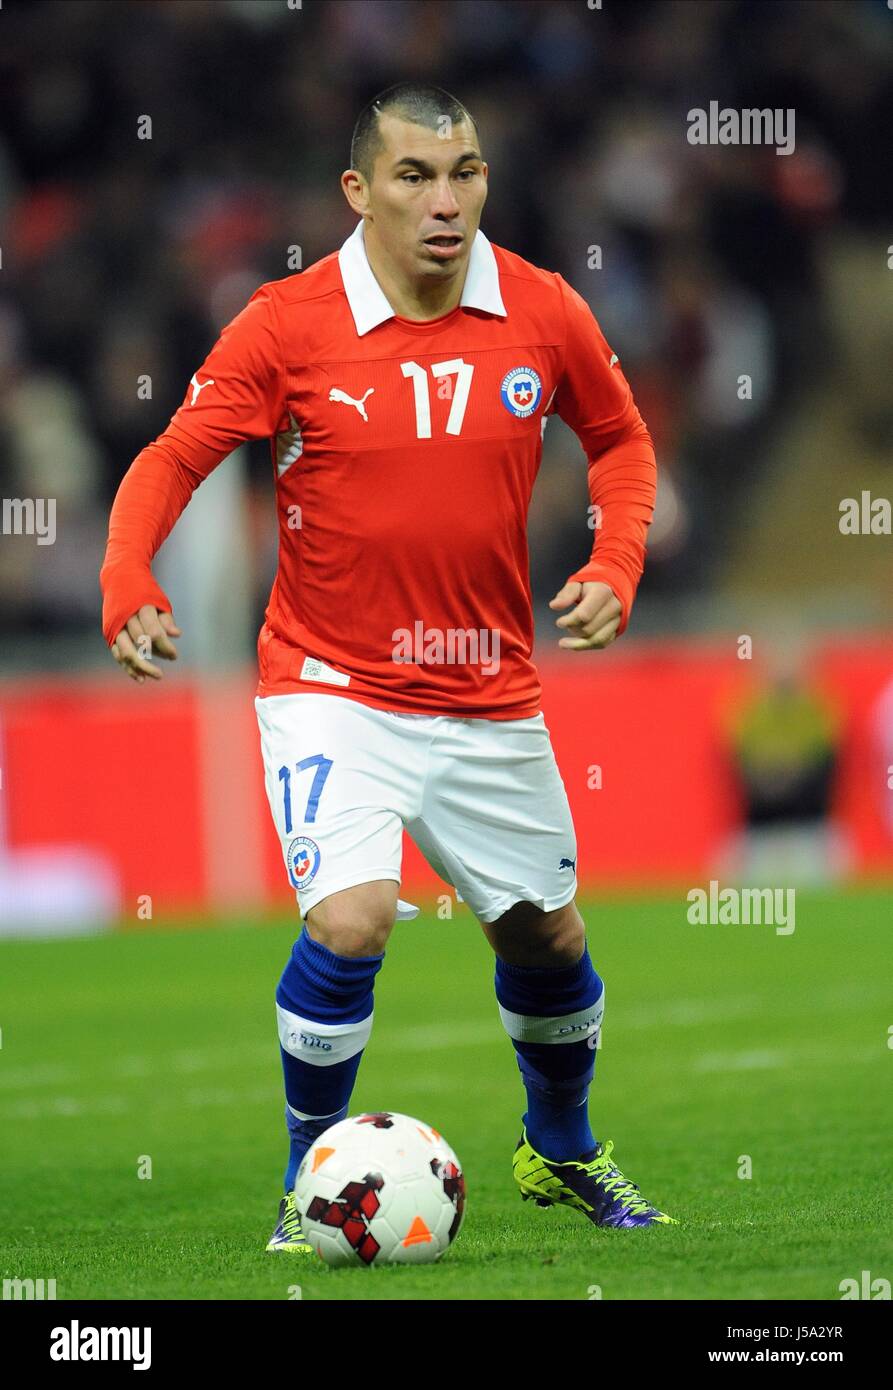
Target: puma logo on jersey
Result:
[336, 394]
[196, 388]
[614, 358]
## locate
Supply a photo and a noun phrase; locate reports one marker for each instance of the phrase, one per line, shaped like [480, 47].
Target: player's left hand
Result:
[594, 621]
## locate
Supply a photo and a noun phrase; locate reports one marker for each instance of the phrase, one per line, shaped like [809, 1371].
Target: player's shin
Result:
[324, 1012]
[553, 1017]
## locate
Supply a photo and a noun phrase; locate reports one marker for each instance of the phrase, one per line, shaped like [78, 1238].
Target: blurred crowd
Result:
[122, 257]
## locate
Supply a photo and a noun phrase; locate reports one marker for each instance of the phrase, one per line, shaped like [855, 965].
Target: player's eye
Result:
[410, 176]
[470, 172]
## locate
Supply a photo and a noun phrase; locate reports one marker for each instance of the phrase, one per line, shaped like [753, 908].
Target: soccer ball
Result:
[380, 1189]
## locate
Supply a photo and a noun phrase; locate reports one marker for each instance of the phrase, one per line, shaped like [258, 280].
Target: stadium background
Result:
[123, 257]
[688, 755]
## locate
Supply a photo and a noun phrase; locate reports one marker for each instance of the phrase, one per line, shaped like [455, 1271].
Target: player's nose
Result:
[444, 203]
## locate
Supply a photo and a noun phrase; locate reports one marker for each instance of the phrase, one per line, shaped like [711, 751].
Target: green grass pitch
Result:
[719, 1041]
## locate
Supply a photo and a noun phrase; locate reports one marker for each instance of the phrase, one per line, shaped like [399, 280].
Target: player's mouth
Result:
[444, 245]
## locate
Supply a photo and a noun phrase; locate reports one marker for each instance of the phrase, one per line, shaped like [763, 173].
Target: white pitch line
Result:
[687, 1013]
[189, 1062]
[38, 1074]
[67, 1108]
[134, 1066]
[196, 1098]
[225, 1097]
[442, 1036]
[768, 1059]
[435, 1037]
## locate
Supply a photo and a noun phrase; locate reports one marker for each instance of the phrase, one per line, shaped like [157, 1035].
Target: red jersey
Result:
[404, 457]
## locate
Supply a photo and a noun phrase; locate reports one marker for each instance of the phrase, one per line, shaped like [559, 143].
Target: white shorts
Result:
[482, 798]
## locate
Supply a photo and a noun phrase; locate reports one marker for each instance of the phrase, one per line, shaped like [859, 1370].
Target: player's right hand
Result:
[148, 633]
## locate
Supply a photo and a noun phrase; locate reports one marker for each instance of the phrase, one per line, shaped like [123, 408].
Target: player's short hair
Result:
[410, 101]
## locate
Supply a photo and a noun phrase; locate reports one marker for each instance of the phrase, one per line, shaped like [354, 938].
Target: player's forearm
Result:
[153, 493]
[622, 488]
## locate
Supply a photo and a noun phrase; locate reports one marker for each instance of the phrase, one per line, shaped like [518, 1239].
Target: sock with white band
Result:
[324, 1013]
[553, 1017]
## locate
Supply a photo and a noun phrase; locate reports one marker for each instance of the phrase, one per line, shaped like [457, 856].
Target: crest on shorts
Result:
[521, 391]
[302, 861]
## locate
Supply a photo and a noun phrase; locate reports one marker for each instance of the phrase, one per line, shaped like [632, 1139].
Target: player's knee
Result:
[355, 921]
[563, 935]
[525, 935]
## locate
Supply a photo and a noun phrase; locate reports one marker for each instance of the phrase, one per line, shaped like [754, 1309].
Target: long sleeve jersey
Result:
[404, 455]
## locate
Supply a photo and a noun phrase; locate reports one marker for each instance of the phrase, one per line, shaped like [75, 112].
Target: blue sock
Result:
[324, 1012]
[553, 1016]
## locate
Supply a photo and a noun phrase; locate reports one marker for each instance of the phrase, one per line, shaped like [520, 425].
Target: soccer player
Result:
[404, 383]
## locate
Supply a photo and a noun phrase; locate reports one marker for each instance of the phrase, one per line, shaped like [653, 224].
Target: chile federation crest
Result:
[302, 860]
[521, 391]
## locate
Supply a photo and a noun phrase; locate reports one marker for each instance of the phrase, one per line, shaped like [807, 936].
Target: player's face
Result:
[426, 187]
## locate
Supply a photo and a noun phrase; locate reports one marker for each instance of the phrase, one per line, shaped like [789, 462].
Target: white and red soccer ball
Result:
[380, 1188]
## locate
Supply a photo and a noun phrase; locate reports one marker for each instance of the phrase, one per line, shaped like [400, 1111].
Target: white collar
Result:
[367, 299]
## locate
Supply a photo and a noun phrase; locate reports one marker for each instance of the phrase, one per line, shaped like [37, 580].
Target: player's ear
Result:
[355, 190]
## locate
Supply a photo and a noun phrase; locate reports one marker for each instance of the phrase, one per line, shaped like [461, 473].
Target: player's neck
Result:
[428, 299]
